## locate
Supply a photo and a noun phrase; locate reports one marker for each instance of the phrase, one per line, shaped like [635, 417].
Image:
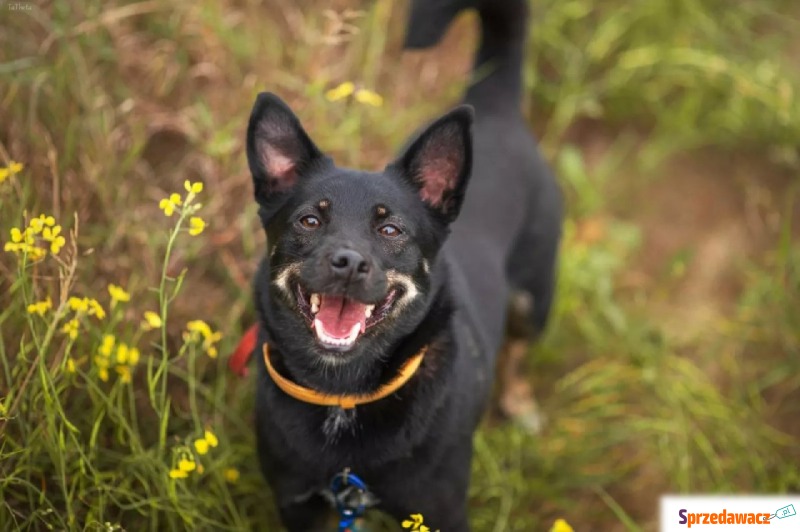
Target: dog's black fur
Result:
[391, 238]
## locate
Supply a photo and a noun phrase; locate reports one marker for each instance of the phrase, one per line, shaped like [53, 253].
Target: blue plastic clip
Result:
[347, 487]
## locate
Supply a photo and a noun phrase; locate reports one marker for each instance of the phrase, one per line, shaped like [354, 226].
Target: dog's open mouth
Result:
[337, 320]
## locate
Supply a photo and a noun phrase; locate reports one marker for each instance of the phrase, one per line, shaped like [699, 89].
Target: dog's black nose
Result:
[349, 263]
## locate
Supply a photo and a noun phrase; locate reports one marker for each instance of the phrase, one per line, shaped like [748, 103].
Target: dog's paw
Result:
[518, 405]
[532, 422]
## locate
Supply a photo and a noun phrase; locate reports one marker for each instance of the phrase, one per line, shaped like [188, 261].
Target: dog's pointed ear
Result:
[439, 161]
[278, 149]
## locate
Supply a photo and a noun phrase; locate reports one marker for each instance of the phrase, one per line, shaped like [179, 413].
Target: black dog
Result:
[367, 274]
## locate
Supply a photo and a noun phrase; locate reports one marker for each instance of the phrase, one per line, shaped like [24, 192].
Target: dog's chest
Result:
[338, 422]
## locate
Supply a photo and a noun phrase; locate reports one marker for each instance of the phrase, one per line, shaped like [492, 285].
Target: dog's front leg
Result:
[312, 514]
[437, 490]
[444, 509]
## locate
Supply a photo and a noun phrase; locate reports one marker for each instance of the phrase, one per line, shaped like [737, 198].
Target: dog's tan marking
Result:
[409, 286]
[282, 279]
[381, 211]
[324, 204]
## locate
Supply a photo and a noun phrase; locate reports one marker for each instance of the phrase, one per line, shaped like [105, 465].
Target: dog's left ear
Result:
[438, 163]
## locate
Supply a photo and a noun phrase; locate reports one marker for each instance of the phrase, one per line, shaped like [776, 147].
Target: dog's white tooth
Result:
[368, 310]
[315, 300]
[314, 308]
[325, 338]
[319, 330]
[354, 333]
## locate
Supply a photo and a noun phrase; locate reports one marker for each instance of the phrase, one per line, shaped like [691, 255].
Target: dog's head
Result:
[350, 252]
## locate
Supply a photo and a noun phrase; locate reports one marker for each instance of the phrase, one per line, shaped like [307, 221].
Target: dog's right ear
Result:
[278, 149]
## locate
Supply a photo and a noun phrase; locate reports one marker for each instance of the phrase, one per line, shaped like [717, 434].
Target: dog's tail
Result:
[497, 73]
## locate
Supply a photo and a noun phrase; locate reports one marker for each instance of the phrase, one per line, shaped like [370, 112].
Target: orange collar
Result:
[313, 397]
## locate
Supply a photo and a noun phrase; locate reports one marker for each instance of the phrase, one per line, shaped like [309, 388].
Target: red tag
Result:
[237, 363]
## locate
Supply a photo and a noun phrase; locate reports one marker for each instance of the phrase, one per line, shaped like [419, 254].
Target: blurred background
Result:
[671, 364]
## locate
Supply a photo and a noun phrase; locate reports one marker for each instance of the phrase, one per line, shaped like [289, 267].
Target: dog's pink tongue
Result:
[339, 314]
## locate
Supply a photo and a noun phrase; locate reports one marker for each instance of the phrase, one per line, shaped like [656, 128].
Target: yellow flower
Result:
[29, 236]
[122, 354]
[78, 304]
[169, 209]
[197, 330]
[201, 445]
[211, 351]
[86, 305]
[561, 525]
[107, 346]
[71, 367]
[194, 188]
[211, 438]
[231, 475]
[53, 236]
[40, 307]
[151, 320]
[196, 225]
[342, 91]
[133, 356]
[415, 523]
[38, 224]
[118, 294]
[56, 245]
[199, 326]
[177, 473]
[187, 465]
[71, 328]
[369, 97]
[36, 254]
[12, 169]
[124, 373]
[23, 241]
[96, 309]
[50, 233]
[125, 358]
[168, 204]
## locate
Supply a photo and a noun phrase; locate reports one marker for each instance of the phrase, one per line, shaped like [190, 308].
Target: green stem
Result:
[192, 380]
[161, 373]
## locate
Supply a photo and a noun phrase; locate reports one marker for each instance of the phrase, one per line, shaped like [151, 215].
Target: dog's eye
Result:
[310, 222]
[389, 230]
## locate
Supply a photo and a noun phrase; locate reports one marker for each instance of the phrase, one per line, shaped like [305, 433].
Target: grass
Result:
[655, 376]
